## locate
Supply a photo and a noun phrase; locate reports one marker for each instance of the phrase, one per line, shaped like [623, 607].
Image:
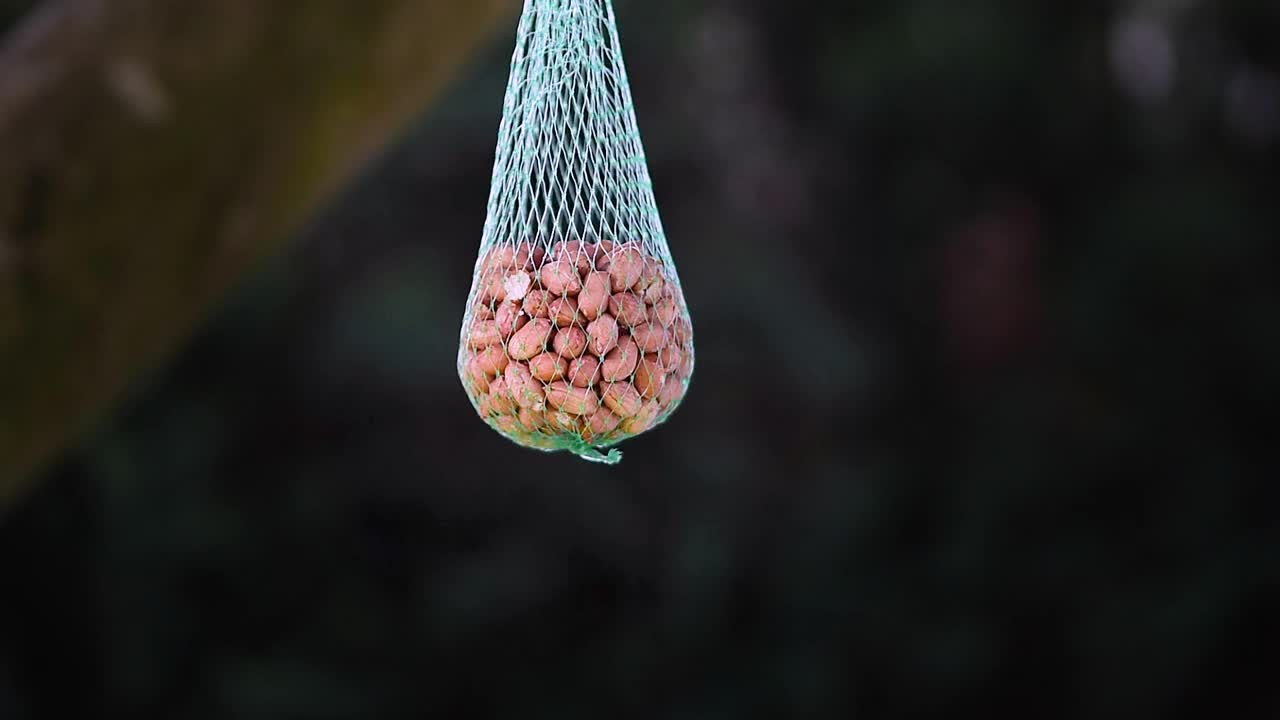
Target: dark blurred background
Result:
[985, 304]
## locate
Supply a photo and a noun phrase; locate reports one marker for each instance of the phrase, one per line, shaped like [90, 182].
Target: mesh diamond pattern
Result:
[576, 334]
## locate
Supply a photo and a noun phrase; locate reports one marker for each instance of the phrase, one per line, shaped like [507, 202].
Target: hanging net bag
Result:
[575, 335]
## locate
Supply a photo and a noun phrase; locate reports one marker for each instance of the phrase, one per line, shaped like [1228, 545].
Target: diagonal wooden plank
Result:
[152, 151]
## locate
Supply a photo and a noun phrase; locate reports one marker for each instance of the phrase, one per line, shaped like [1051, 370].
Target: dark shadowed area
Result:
[988, 336]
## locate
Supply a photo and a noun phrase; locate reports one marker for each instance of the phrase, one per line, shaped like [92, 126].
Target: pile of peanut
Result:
[587, 339]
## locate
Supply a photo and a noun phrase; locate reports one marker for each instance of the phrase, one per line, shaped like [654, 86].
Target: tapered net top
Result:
[570, 164]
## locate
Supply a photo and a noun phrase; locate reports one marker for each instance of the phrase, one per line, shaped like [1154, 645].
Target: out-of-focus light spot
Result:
[138, 89]
[1252, 105]
[1143, 58]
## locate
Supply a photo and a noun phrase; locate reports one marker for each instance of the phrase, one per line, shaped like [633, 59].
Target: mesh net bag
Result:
[576, 335]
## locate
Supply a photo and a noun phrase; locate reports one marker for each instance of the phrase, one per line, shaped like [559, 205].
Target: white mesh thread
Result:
[570, 164]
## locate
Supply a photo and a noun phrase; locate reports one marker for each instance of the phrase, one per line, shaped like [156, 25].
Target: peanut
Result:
[501, 257]
[604, 256]
[650, 337]
[642, 420]
[622, 398]
[476, 374]
[532, 420]
[510, 318]
[627, 308]
[682, 332]
[621, 361]
[669, 357]
[494, 289]
[530, 340]
[570, 342]
[564, 312]
[547, 367]
[583, 371]
[653, 293]
[603, 334]
[483, 334]
[573, 252]
[594, 298]
[500, 397]
[517, 285]
[492, 360]
[560, 278]
[536, 303]
[602, 422]
[671, 393]
[563, 421]
[686, 366]
[625, 267]
[528, 393]
[592, 252]
[650, 278]
[665, 311]
[527, 256]
[573, 400]
[650, 377]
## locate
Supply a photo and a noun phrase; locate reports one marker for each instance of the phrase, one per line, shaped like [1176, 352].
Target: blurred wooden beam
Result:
[152, 151]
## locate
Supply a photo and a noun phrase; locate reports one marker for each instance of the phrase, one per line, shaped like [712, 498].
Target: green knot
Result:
[584, 450]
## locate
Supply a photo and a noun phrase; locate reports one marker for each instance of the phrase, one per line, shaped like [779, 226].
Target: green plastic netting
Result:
[576, 335]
